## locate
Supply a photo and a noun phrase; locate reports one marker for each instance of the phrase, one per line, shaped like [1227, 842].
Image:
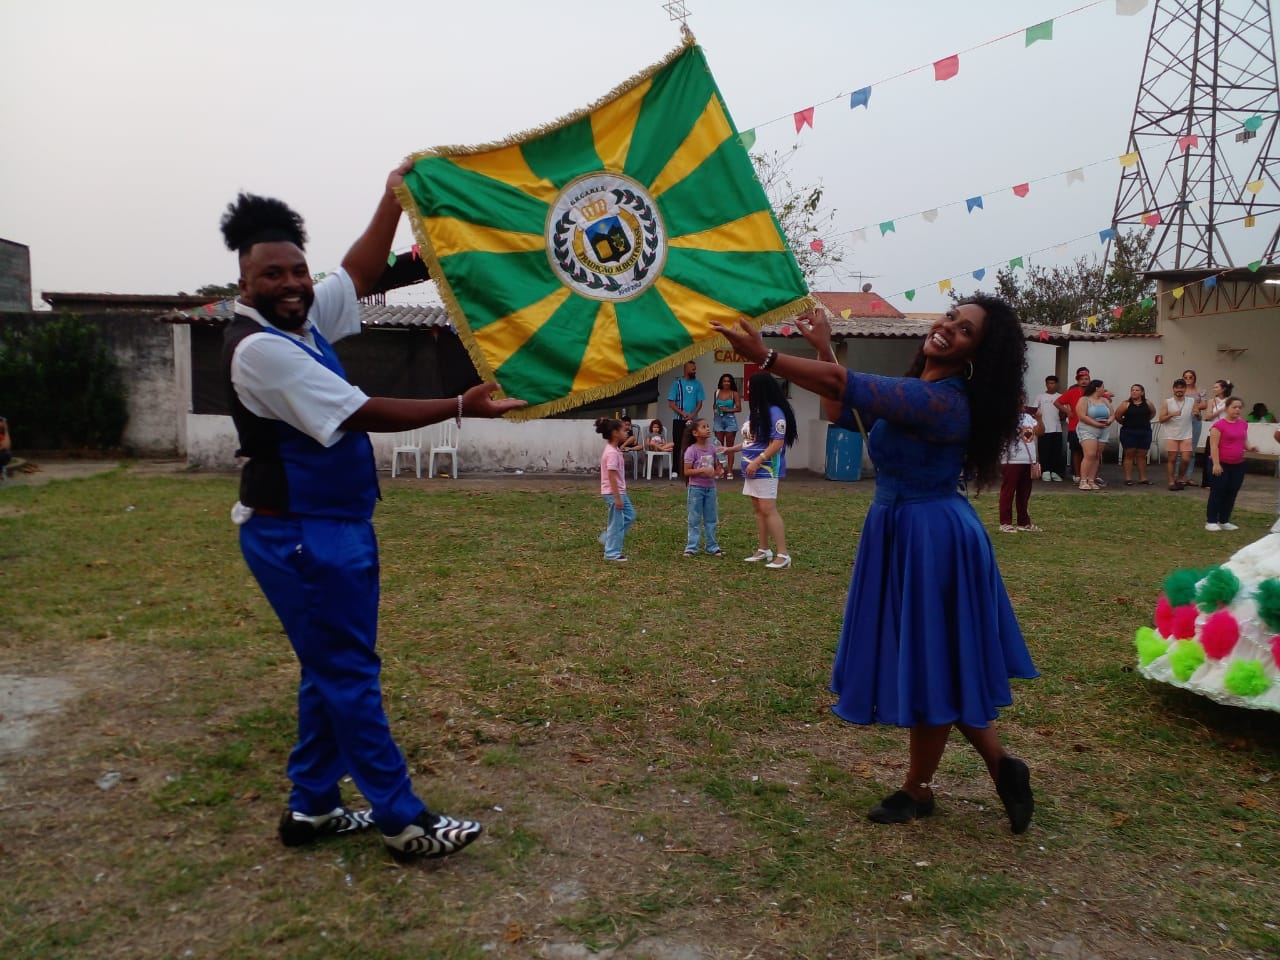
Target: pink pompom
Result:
[1183, 622]
[1219, 634]
[1164, 616]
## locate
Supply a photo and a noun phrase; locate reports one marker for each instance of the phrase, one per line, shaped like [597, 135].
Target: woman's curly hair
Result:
[253, 219]
[995, 389]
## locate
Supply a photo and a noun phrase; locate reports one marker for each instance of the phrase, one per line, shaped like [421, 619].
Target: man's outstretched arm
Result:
[367, 258]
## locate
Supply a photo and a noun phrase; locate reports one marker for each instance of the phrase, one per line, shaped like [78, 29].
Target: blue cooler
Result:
[844, 453]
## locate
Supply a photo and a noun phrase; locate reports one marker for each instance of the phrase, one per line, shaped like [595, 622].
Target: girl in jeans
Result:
[613, 488]
[700, 470]
[1228, 440]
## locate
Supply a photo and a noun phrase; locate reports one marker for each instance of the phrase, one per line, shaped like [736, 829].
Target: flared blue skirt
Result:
[929, 635]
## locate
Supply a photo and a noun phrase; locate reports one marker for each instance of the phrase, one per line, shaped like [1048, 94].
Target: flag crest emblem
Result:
[590, 255]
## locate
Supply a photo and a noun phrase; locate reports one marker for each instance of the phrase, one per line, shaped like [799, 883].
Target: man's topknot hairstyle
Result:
[253, 219]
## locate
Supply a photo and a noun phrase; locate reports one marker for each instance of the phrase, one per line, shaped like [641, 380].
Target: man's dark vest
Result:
[288, 472]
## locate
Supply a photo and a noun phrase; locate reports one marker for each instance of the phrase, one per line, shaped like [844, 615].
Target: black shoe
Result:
[1013, 784]
[902, 807]
[431, 835]
[298, 830]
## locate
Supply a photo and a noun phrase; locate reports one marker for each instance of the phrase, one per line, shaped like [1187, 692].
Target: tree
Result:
[1058, 296]
[220, 291]
[62, 384]
[800, 214]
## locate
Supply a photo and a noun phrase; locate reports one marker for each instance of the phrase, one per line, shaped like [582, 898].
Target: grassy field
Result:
[649, 745]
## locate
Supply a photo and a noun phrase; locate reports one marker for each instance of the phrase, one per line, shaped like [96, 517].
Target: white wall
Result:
[484, 446]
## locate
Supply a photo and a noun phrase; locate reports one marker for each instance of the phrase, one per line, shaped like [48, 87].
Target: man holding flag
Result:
[307, 493]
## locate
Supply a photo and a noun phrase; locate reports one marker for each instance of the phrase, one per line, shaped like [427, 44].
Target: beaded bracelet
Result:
[458, 418]
[769, 359]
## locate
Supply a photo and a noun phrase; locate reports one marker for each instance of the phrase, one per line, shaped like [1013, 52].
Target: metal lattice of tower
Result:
[1203, 129]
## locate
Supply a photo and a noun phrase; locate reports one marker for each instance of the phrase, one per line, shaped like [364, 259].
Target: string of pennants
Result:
[1090, 322]
[1021, 190]
[945, 69]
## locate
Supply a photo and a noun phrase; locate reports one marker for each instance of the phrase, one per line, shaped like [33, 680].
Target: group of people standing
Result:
[705, 451]
[1088, 408]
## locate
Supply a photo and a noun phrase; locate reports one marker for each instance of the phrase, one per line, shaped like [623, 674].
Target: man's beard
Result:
[266, 306]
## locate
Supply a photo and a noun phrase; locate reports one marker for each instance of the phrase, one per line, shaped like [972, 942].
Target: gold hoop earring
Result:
[968, 369]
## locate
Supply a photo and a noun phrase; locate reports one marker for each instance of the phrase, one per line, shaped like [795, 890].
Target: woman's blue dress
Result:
[929, 635]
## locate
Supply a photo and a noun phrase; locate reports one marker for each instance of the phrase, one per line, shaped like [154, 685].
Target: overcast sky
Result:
[129, 125]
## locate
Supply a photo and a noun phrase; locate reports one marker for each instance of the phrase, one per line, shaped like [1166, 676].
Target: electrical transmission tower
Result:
[1203, 129]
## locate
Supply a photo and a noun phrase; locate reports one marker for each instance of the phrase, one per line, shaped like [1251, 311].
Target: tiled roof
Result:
[382, 316]
[858, 304]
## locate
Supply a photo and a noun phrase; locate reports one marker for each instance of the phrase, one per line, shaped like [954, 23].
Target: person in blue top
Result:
[769, 431]
[685, 399]
[307, 493]
[929, 640]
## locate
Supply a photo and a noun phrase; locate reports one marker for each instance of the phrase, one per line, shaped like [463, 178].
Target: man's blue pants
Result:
[321, 578]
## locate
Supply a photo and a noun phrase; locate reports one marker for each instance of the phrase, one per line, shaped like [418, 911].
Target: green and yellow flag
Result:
[585, 257]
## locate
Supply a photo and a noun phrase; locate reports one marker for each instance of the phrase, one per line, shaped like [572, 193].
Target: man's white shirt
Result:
[278, 380]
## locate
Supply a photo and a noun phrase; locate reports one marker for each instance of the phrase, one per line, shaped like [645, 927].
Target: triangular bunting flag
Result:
[859, 235]
[944, 286]
[1118, 312]
[973, 203]
[1148, 302]
[804, 118]
[1022, 189]
[415, 252]
[1016, 262]
[1187, 142]
[979, 273]
[876, 305]
[1127, 8]
[1041, 31]
[1253, 124]
[860, 98]
[816, 246]
[1250, 220]
[747, 138]
[1043, 336]
[846, 313]
[1091, 321]
[1129, 159]
[1255, 266]
[910, 295]
[1061, 248]
[1151, 219]
[1254, 186]
[1105, 235]
[887, 227]
[391, 259]
[930, 215]
[946, 68]
[1178, 292]
[1075, 176]
[1210, 282]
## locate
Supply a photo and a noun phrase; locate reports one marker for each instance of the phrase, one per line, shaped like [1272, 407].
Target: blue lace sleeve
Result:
[937, 412]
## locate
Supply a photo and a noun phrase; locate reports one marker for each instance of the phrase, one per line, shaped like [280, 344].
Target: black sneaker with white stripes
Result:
[431, 835]
[298, 829]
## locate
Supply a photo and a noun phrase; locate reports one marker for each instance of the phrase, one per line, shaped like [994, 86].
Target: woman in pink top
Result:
[1228, 440]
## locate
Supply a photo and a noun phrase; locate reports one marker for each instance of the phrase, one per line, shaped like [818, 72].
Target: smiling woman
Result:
[929, 639]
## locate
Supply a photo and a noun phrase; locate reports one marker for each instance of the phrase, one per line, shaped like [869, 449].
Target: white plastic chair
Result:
[662, 456]
[444, 442]
[408, 443]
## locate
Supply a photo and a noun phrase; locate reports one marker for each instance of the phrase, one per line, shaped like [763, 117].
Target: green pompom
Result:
[1186, 658]
[1180, 586]
[1268, 599]
[1245, 678]
[1150, 645]
[1218, 588]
